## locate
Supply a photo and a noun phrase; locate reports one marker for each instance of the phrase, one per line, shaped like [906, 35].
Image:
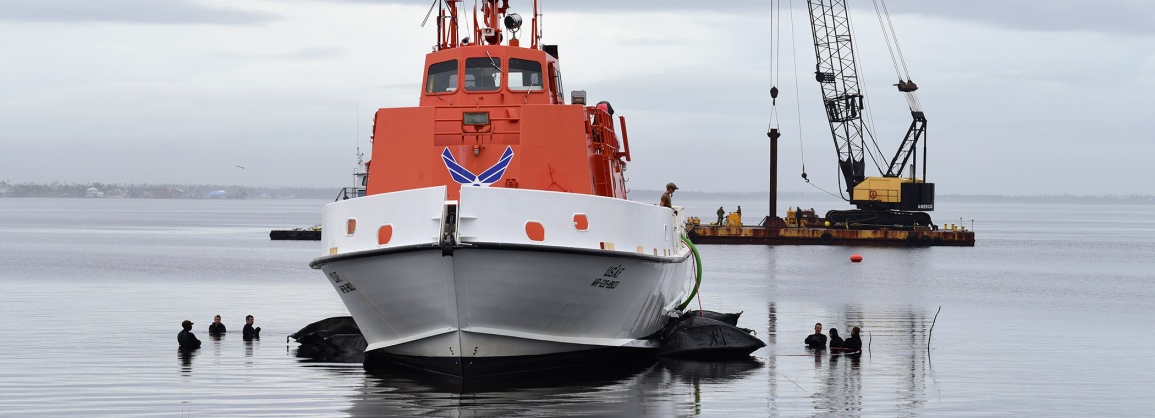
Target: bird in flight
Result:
[242, 168]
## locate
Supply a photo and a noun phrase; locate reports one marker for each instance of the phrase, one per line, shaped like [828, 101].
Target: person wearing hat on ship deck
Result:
[186, 339]
[667, 200]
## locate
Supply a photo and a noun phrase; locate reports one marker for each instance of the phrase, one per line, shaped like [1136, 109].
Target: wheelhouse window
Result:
[442, 77]
[524, 75]
[482, 74]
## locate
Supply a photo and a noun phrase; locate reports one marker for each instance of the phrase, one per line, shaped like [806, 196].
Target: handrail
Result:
[625, 138]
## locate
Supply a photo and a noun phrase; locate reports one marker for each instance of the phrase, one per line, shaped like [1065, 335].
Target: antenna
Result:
[357, 133]
[357, 140]
[540, 24]
[429, 13]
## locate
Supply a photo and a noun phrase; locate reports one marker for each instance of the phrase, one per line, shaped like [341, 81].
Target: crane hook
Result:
[773, 95]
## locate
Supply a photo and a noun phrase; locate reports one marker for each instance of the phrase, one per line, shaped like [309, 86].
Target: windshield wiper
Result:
[493, 62]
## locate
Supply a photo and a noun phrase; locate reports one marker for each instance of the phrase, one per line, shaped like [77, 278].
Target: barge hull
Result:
[757, 235]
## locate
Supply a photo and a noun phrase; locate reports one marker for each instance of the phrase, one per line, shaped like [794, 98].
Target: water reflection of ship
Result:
[608, 390]
[611, 389]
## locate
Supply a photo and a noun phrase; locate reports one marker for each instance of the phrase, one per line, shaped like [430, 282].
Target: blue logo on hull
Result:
[491, 175]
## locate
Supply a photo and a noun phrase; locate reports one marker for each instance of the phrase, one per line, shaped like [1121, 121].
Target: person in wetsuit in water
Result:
[186, 339]
[816, 341]
[249, 333]
[853, 343]
[835, 340]
[216, 328]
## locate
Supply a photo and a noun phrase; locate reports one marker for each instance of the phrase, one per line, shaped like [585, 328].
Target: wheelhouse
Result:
[461, 76]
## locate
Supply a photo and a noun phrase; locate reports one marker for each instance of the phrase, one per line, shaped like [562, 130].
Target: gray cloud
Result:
[524, 7]
[125, 11]
[1107, 16]
[318, 53]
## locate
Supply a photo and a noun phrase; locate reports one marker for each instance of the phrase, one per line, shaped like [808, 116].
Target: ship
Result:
[495, 234]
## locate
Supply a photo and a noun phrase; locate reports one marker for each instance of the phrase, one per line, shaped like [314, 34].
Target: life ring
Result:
[873, 194]
[826, 238]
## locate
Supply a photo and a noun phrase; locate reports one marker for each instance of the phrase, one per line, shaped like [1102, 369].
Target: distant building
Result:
[118, 193]
[159, 193]
[93, 192]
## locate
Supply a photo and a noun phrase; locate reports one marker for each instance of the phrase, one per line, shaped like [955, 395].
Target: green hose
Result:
[698, 280]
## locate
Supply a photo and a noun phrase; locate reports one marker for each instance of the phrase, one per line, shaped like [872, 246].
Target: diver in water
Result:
[853, 343]
[216, 328]
[186, 339]
[249, 333]
[835, 340]
[816, 341]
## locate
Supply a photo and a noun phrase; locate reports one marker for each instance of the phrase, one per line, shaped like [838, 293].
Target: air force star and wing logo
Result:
[464, 177]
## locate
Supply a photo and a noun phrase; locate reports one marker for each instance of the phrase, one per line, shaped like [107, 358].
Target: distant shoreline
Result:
[161, 191]
[203, 191]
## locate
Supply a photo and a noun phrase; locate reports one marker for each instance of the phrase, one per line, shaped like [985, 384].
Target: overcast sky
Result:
[1022, 96]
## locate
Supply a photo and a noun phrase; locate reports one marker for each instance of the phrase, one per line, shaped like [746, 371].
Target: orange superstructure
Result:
[493, 114]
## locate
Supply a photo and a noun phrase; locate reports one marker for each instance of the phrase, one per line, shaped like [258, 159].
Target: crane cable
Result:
[888, 32]
[798, 99]
[886, 35]
[867, 115]
[775, 51]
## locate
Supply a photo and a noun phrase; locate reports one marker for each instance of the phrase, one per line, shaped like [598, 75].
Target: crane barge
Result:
[892, 200]
[891, 209]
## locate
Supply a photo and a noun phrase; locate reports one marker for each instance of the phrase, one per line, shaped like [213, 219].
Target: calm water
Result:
[1046, 316]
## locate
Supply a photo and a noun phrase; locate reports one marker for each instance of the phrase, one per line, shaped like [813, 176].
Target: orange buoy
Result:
[856, 258]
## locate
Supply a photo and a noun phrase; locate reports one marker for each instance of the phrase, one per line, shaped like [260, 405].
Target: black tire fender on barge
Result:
[826, 238]
[912, 240]
[924, 241]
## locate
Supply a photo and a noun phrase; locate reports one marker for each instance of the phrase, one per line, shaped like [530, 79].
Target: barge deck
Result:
[761, 235]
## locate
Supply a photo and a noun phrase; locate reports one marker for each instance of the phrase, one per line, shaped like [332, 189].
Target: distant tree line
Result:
[160, 191]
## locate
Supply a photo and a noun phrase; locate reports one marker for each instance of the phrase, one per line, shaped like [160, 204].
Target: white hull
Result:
[496, 293]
